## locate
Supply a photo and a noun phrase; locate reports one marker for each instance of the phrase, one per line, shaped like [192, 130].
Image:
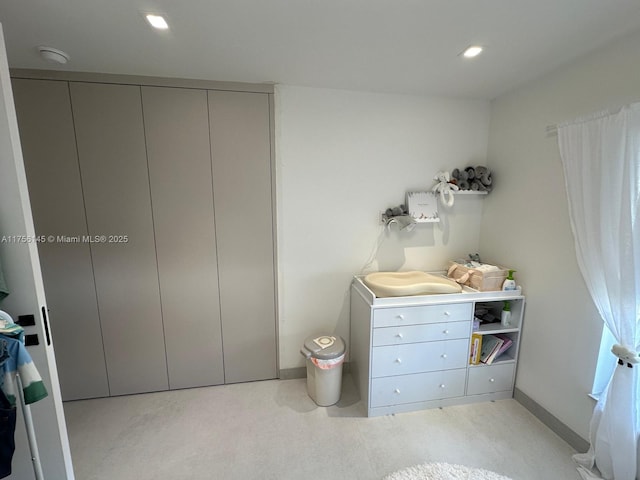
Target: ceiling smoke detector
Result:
[53, 55]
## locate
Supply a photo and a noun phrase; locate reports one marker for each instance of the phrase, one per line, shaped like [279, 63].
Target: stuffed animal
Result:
[472, 178]
[445, 188]
[396, 211]
[471, 172]
[461, 178]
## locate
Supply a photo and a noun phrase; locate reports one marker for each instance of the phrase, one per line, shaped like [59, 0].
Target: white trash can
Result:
[325, 356]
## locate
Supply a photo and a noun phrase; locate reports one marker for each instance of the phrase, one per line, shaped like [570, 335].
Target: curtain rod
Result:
[552, 130]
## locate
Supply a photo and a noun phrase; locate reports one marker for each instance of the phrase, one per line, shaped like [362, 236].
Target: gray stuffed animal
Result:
[473, 178]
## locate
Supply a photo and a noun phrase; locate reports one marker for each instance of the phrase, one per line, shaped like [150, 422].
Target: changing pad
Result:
[401, 284]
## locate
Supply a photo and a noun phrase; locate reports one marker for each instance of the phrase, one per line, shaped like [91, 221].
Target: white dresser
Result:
[411, 353]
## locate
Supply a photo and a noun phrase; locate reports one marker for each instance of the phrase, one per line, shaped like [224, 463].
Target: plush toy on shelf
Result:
[473, 178]
[445, 188]
[396, 211]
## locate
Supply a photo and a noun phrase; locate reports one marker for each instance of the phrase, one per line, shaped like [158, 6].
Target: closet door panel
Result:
[113, 165]
[177, 132]
[240, 143]
[51, 163]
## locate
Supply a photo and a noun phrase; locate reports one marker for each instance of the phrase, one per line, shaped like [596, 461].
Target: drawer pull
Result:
[396, 391]
[399, 335]
[492, 380]
[398, 360]
[446, 332]
[442, 385]
[400, 316]
[446, 314]
[444, 355]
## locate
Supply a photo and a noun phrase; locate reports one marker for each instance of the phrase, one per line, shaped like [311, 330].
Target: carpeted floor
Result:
[444, 471]
[272, 430]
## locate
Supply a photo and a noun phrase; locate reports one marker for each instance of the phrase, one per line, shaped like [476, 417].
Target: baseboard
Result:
[301, 372]
[559, 428]
[290, 373]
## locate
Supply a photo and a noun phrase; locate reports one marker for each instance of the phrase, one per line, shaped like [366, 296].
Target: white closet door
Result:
[241, 154]
[113, 165]
[22, 274]
[51, 163]
[177, 132]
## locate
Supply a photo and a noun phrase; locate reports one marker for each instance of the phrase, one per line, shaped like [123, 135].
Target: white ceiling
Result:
[400, 46]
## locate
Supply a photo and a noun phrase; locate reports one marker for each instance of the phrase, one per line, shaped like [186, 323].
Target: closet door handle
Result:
[46, 325]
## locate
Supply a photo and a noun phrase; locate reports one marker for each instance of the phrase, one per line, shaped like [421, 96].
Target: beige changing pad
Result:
[400, 284]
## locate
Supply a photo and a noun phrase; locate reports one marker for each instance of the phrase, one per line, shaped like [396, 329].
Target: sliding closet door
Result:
[113, 165]
[51, 163]
[241, 154]
[177, 131]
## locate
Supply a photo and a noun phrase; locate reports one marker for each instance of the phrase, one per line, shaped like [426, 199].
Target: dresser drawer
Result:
[389, 317]
[490, 378]
[421, 333]
[417, 388]
[419, 357]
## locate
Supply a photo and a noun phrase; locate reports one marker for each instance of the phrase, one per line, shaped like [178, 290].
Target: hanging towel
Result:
[14, 359]
[9, 328]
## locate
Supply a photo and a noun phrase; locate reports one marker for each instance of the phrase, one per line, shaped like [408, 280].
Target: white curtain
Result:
[601, 160]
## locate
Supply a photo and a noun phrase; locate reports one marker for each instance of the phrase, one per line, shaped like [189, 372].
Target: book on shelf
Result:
[507, 342]
[493, 346]
[490, 346]
[476, 348]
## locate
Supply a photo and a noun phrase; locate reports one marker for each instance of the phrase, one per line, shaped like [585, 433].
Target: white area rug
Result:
[444, 471]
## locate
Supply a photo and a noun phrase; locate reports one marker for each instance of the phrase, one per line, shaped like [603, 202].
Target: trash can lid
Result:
[324, 346]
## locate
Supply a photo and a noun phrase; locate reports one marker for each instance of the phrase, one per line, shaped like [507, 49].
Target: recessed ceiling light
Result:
[157, 21]
[472, 51]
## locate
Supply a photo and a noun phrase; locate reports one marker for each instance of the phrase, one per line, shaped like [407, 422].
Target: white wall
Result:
[526, 224]
[342, 157]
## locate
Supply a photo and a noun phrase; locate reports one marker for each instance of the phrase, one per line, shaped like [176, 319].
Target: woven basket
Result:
[478, 280]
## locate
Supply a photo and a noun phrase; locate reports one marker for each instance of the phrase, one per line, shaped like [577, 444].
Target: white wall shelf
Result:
[469, 192]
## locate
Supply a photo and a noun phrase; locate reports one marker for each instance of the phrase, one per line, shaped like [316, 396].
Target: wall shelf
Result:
[469, 192]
